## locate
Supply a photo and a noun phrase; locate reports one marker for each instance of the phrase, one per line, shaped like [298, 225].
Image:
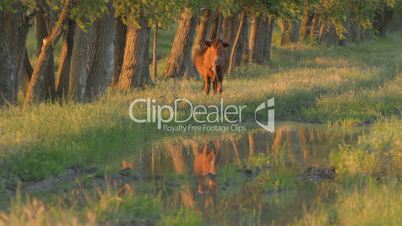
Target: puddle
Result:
[246, 179]
[253, 178]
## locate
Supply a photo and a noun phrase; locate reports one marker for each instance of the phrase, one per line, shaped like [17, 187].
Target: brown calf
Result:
[212, 63]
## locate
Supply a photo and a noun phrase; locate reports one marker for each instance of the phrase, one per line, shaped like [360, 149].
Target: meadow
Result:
[344, 87]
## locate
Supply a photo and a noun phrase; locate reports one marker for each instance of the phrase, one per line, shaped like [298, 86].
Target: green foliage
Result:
[6, 5]
[27, 6]
[156, 12]
[86, 12]
[83, 12]
[343, 13]
[278, 8]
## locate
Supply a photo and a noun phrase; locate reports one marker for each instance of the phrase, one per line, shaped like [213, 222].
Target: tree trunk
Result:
[201, 32]
[322, 32]
[383, 20]
[46, 77]
[313, 29]
[202, 28]
[154, 51]
[27, 66]
[258, 33]
[180, 54]
[253, 37]
[295, 31]
[331, 37]
[393, 21]
[304, 25]
[228, 29]
[242, 50]
[63, 73]
[80, 64]
[135, 68]
[102, 69]
[236, 42]
[25, 75]
[215, 28]
[121, 33]
[40, 64]
[190, 72]
[13, 34]
[353, 32]
[268, 40]
[290, 31]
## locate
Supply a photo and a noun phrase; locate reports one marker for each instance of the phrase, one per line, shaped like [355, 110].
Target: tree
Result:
[236, 41]
[101, 73]
[63, 73]
[14, 26]
[228, 31]
[262, 13]
[241, 56]
[139, 17]
[203, 25]
[43, 27]
[216, 25]
[135, 68]
[266, 51]
[81, 62]
[121, 33]
[40, 65]
[84, 13]
[201, 32]
[330, 21]
[256, 40]
[180, 54]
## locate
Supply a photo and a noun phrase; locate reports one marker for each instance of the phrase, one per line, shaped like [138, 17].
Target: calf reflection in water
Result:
[205, 167]
[204, 163]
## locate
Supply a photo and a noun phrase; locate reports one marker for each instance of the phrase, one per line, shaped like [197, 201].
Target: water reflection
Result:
[192, 170]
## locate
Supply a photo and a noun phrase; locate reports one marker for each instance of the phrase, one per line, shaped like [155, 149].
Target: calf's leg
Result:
[207, 85]
[215, 84]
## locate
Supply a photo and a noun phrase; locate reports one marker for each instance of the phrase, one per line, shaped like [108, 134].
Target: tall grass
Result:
[108, 206]
[374, 205]
[377, 154]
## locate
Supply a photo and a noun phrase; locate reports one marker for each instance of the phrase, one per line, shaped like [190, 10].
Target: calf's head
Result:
[216, 54]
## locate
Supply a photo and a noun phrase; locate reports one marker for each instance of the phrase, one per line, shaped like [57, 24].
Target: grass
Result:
[378, 153]
[109, 206]
[361, 83]
[370, 180]
[374, 205]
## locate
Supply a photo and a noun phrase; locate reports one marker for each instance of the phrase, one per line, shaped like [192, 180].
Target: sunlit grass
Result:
[374, 205]
[107, 206]
[377, 154]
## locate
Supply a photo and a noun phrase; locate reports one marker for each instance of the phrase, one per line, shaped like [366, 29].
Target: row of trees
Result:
[106, 42]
